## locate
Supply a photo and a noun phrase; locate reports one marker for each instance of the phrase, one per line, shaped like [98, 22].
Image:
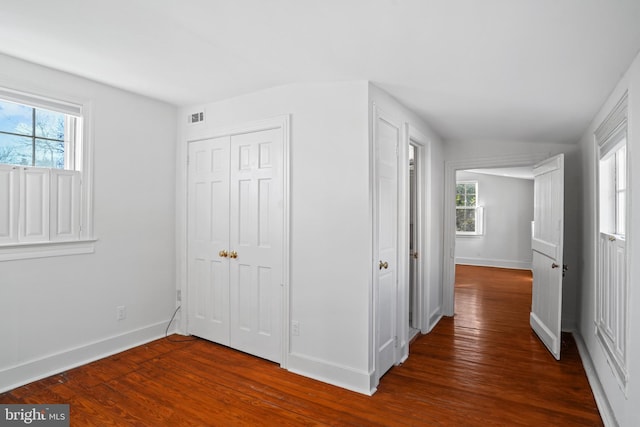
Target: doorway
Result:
[546, 243]
[451, 167]
[415, 248]
[415, 240]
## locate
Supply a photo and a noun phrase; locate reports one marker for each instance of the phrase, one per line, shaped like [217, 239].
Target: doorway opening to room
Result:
[495, 229]
[494, 216]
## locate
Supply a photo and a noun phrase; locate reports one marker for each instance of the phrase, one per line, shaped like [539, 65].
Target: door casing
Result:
[423, 215]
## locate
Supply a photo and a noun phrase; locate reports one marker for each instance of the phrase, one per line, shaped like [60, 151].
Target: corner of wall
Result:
[331, 373]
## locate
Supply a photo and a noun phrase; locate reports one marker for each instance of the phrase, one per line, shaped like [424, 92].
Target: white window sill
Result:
[15, 251]
[468, 235]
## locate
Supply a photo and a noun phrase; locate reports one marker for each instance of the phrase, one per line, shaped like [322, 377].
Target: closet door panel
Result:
[256, 217]
[208, 239]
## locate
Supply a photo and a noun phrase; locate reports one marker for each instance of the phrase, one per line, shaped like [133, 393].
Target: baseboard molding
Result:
[500, 263]
[331, 373]
[33, 370]
[602, 402]
[433, 320]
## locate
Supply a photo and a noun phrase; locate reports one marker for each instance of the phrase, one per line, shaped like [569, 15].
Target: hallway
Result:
[488, 367]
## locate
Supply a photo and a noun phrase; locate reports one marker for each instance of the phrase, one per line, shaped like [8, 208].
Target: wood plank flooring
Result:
[482, 367]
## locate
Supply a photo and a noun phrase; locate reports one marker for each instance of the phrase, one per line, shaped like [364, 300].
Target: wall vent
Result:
[194, 118]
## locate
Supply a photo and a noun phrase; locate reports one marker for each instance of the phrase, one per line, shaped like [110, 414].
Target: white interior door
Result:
[235, 245]
[387, 138]
[256, 223]
[208, 239]
[547, 246]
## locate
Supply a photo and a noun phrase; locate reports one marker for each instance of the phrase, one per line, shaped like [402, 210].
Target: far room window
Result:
[45, 175]
[468, 213]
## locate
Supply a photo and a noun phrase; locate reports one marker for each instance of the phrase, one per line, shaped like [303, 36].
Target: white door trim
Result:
[423, 195]
[280, 122]
[448, 268]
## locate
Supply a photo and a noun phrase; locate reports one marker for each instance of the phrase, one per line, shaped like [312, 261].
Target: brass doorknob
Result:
[233, 254]
[384, 265]
[223, 254]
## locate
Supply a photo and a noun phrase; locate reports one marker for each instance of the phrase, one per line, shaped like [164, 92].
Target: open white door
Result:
[547, 246]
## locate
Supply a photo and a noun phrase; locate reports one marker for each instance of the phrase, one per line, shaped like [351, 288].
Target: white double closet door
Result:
[235, 234]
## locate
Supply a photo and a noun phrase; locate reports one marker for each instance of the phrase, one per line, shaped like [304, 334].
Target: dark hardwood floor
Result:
[483, 367]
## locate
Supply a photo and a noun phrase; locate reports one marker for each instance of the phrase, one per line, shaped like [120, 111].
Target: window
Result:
[612, 284]
[44, 176]
[36, 137]
[613, 190]
[468, 213]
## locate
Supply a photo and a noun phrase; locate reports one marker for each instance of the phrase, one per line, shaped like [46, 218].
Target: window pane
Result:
[49, 154]
[466, 194]
[49, 124]
[16, 118]
[15, 150]
[460, 195]
[621, 168]
[466, 220]
[607, 195]
[621, 213]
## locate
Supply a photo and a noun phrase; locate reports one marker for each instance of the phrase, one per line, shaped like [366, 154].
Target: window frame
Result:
[78, 157]
[478, 212]
[611, 269]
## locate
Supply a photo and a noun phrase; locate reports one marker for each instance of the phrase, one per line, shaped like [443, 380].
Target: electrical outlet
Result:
[295, 327]
[121, 312]
[179, 295]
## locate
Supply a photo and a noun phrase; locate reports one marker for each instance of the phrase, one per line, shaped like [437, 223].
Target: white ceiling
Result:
[526, 70]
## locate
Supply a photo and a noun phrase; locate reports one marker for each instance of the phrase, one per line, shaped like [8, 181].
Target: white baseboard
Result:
[433, 320]
[500, 263]
[331, 373]
[602, 402]
[37, 369]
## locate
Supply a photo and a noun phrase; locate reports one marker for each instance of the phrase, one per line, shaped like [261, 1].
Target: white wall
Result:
[461, 152]
[508, 211]
[330, 214]
[626, 409]
[60, 312]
